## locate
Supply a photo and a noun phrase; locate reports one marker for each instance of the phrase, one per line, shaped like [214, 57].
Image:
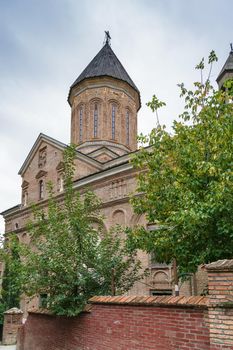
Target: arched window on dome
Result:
[127, 126]
[96, 114]
[80, 123]
[41, 189]
[113, 121]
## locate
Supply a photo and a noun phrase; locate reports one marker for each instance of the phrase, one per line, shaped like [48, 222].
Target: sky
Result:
[46, 44]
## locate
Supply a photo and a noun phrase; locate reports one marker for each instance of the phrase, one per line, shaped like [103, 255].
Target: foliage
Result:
[185, 182]
[116, 263]
[11, 283]
[66, 259]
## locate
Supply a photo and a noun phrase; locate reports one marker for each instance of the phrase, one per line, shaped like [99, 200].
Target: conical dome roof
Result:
[227, 68]
[105, 63]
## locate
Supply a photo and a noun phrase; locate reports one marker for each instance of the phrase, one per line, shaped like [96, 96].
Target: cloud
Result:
[46, 44]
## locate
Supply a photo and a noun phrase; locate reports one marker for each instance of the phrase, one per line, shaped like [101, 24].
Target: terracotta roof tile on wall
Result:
[194, 301]
[225, 264]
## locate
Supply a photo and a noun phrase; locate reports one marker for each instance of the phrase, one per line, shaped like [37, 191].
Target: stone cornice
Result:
[102, 143]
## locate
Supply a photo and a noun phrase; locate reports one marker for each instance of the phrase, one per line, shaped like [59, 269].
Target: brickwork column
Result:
[220, 282]
[12, 322]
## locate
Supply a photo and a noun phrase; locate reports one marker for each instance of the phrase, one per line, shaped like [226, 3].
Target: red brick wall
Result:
[119, 327]
[143, 323]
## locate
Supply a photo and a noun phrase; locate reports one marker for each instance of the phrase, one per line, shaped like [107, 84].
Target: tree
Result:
[10, 289]
[68, 260]
[185, 183]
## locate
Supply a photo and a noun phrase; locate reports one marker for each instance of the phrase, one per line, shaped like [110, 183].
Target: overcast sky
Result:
[45, 45]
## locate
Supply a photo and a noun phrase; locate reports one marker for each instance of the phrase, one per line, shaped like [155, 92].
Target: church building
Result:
[104, 103]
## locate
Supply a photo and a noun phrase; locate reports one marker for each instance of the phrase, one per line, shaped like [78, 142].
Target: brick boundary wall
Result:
[220, 312]
[12, 322]
[125, 325]
[142, 323]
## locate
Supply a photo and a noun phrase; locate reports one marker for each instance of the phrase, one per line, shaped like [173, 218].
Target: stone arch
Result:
[119, 217]
[160, 276]
[137, 219]
[80, 105]
[161, 279]
[114, 101]
[98, 225]
[95, 100]
[24, 237]
[127, 108]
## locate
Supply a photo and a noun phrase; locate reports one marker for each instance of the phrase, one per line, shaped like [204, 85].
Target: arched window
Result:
[127, 127]
[113, 121]
[41, 189]
[95, 120]
[80, 123]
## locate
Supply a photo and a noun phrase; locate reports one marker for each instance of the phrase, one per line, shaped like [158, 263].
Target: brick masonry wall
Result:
[120, 327]
[141, 323]
[220, 314]
[12, 322]
[105, 93]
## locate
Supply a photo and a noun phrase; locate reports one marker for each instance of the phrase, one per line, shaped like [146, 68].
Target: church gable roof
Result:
[59, 145]
[105, 63]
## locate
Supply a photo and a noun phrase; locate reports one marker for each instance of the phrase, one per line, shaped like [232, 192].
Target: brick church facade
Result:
[104, 103]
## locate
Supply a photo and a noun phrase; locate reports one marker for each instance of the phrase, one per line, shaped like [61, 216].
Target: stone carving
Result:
[25, 198]
[25, 184]
[118, 189]
[42, 157]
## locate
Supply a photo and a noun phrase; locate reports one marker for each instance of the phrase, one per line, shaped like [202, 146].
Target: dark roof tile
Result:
[105, 63]
[228, 66]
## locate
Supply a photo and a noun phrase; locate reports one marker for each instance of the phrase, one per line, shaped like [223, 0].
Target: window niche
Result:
[41, 184]
[24, 186]
[42, 157]
[60, 177]
[80, 122]
[127, 116]
[25, 198]
[41, 189]
[96, 117]
[95, 114]
[113, 111]
[113, 115]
